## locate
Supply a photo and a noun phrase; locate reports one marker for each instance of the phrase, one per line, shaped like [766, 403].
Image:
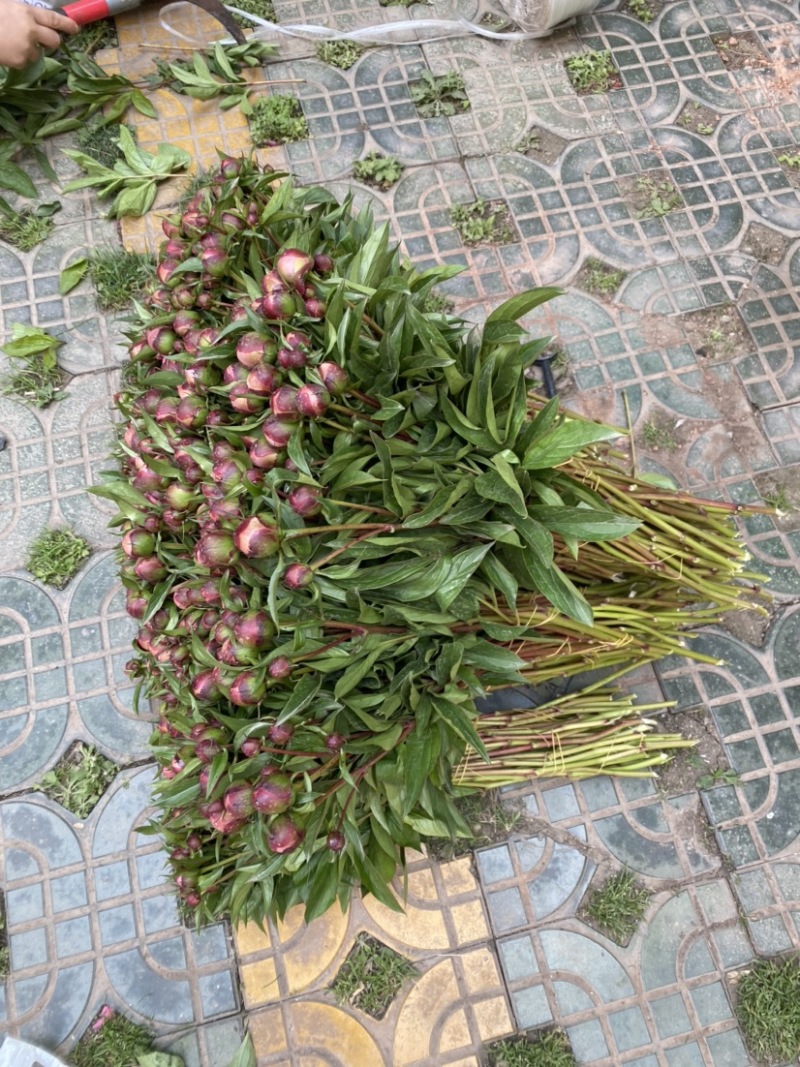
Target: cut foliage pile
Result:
[344, 520]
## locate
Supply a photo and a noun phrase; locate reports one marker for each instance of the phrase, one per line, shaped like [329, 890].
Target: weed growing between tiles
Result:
[437, 95]
[766, 1004]
[618, 906]
[592, 72]
[35, 375]
[371, 976]
[56, 556]
[482, 223]
[545, 1048]
[113, 1040]
[377, 170]
[344, 520]
[79, 779]
[341, 54]
[277, 119]
[488, 820]
[599, 278]
[263, 9]
[27, 228]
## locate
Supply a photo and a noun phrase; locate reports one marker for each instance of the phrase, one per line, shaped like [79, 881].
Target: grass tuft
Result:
[618, 906]
[79, 779]
[117, 1042]
[437, 95]
[371, 976]
[482, 223]
[25, 229]
[119, 276]
[277, 119]
[101, 141]
[263, 9]
[551, 1048]
[56, 556]
[341, 54]
[591, 72]
[378, 170]
[767, 999]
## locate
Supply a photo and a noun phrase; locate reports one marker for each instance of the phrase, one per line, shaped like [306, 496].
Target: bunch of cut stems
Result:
[596, 731]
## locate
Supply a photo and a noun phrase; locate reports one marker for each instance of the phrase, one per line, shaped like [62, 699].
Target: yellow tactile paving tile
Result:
[444, 1016]
[443, 912]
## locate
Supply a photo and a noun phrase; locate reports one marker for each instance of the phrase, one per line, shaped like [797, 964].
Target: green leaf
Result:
[583, 523]
[160, 1059]
[496, 485]
[461, 568]
[14, 178]
[301, 696]
[135, 201]
[537, 574]
[357, 672]
[563, 441]
[245, 1056]
[513, 309]
[72, 275]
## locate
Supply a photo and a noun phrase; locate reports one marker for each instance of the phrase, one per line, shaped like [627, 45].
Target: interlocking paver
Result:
[499, 940]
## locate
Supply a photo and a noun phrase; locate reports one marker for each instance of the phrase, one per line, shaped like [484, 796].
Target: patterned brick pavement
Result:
[696, 338]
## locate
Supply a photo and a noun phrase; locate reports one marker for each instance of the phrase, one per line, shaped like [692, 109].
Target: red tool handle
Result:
[83, 11]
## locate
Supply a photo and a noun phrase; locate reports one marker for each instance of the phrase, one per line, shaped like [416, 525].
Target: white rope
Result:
[382, 34]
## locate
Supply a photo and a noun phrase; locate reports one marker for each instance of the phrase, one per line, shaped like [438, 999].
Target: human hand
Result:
[27, 31]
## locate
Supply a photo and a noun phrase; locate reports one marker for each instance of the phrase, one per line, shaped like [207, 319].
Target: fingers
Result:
[53, 21]
[47, 38]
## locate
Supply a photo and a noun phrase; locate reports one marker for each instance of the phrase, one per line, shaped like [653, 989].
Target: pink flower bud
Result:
[292, 358]
[225, 822]
[150, 569]
[278, 432]
[264, 379]
[191, 413]
[204, 685]
[323, 264]
[335, 841]
[293, 265]
[257, 539]
[250, 747]
[281, 667]
[230, 167]
[264, 456]
[254, 628]
[274, 795]
[238, 800]
[279, 307]
[215, 548]
[334, 742]
[333, 378]
[283, 835]
[284, 403]
[280, 733]
[246, 690]
[250, 349]
[297, 576]
[305, 501]
[315, 308]
[137, 543]
[312, 400]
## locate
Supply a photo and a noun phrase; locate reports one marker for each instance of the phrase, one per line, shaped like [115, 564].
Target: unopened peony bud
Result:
[283, 835]
[312, 400]
[297, 576]
[305, 501]
[274, 795]
[293, 265]
[333, 377]
[257, 539]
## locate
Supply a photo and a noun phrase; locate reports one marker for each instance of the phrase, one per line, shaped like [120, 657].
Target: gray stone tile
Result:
[587, 1040]
[670, 1016]
[531, 1007]
[494, 864]
[73, 936]
[28, 949]
[68, 892]
[561, 802]
[506, 910]
[728, 1049]
[629, 1029]
[117, 924]
[25, 904]
[711, 1003]
[517, 958]
[217, 993]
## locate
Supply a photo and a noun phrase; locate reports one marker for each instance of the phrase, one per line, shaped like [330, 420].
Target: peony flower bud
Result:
[281, 667]
[279, 307]
[254, 628]
[283, 835]
[137, 543]
[280, 733]
[225, 822]
[284, 403]
[238, 800]
[150, 569]
[215, 548]
[293, 265]
[292, 358]
[274, 795]
[333, 378]
[247, 690]
[305, 501]
[263, 379]
[264, 456]
[250, 349]
[278, 432]
[312, 400]
[257, 539]
[335, 841]
[297, 576]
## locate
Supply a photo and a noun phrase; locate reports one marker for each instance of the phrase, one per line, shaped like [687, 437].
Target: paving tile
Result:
[68, 953]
